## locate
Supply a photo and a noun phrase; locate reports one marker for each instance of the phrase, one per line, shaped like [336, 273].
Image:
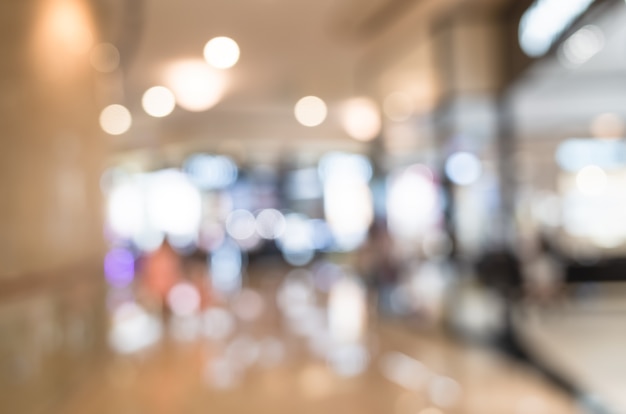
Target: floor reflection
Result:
[282, 345]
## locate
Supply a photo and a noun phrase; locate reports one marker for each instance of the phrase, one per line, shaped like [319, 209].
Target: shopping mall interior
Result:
[332, 206]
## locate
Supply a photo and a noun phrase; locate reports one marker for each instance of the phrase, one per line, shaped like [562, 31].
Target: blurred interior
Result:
[375, 206]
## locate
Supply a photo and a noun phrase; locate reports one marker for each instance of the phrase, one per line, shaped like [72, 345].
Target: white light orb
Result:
[221, 52]
[184, 299]
[158, 101]
[463, 168]
[270, 224]
[412, 203]
[196, 86]
[310, 111]
[360, 119]
[591, 180]
[240, 224]
[174, 204]
[115, 119]
[582, 46]
[125, 212]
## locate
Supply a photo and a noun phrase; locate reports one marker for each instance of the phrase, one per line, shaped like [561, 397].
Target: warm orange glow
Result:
[64, 33]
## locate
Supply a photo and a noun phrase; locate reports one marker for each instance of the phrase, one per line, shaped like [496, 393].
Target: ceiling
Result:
[289, 49]
[560, 101]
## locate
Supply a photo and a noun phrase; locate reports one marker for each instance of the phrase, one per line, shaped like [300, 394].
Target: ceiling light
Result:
[115, 119]
[310, 111]
[221, 52]
[544, 22]
[158, 101]
[360, 119]
[196, 86]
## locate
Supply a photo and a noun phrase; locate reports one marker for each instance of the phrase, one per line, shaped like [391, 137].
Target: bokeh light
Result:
[360, 119]
[221, 52]
[196, 86]
[591, 180]
[105, 57]
[148, 239]
[545, 21]
[248, 305]
[404, 371]
[174, 205]
[348, 202]
[296, 242]
[66, 28]
[158, 101]
[463, 168]
[572, 155]
[115, 119]
[119, 267]
[217, 323]
[184, 299]
[133, 329]
[581, 46]
[398, 106]
[444, 392]
[240, 224]
[310, 111]
[348, 360]
[125, 209]
[412, 203]
[226, 265]
[343, 164]
[211, 172]
[270, 223]
[349, 210]
[347, 311]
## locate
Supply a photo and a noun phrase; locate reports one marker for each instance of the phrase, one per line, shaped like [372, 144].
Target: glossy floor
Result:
[265, 366]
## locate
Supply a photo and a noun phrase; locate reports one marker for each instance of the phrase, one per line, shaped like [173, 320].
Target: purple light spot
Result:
[119, 267]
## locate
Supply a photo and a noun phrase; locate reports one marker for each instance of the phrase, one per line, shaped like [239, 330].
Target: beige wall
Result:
[51, 153]
[51, 149]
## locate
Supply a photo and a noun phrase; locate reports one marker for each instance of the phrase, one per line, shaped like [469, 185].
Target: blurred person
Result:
[499, 271]
[377, 264]
[544, 273]
[160, 270]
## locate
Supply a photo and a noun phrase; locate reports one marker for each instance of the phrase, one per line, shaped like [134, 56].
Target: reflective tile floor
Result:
[269, 363]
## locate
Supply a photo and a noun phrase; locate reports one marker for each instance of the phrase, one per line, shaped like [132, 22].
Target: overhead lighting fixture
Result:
[158, 101]
[545, 21]
[221, 52]
[360, 118]
[115, 119]
[310, 111]
[196, 86]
